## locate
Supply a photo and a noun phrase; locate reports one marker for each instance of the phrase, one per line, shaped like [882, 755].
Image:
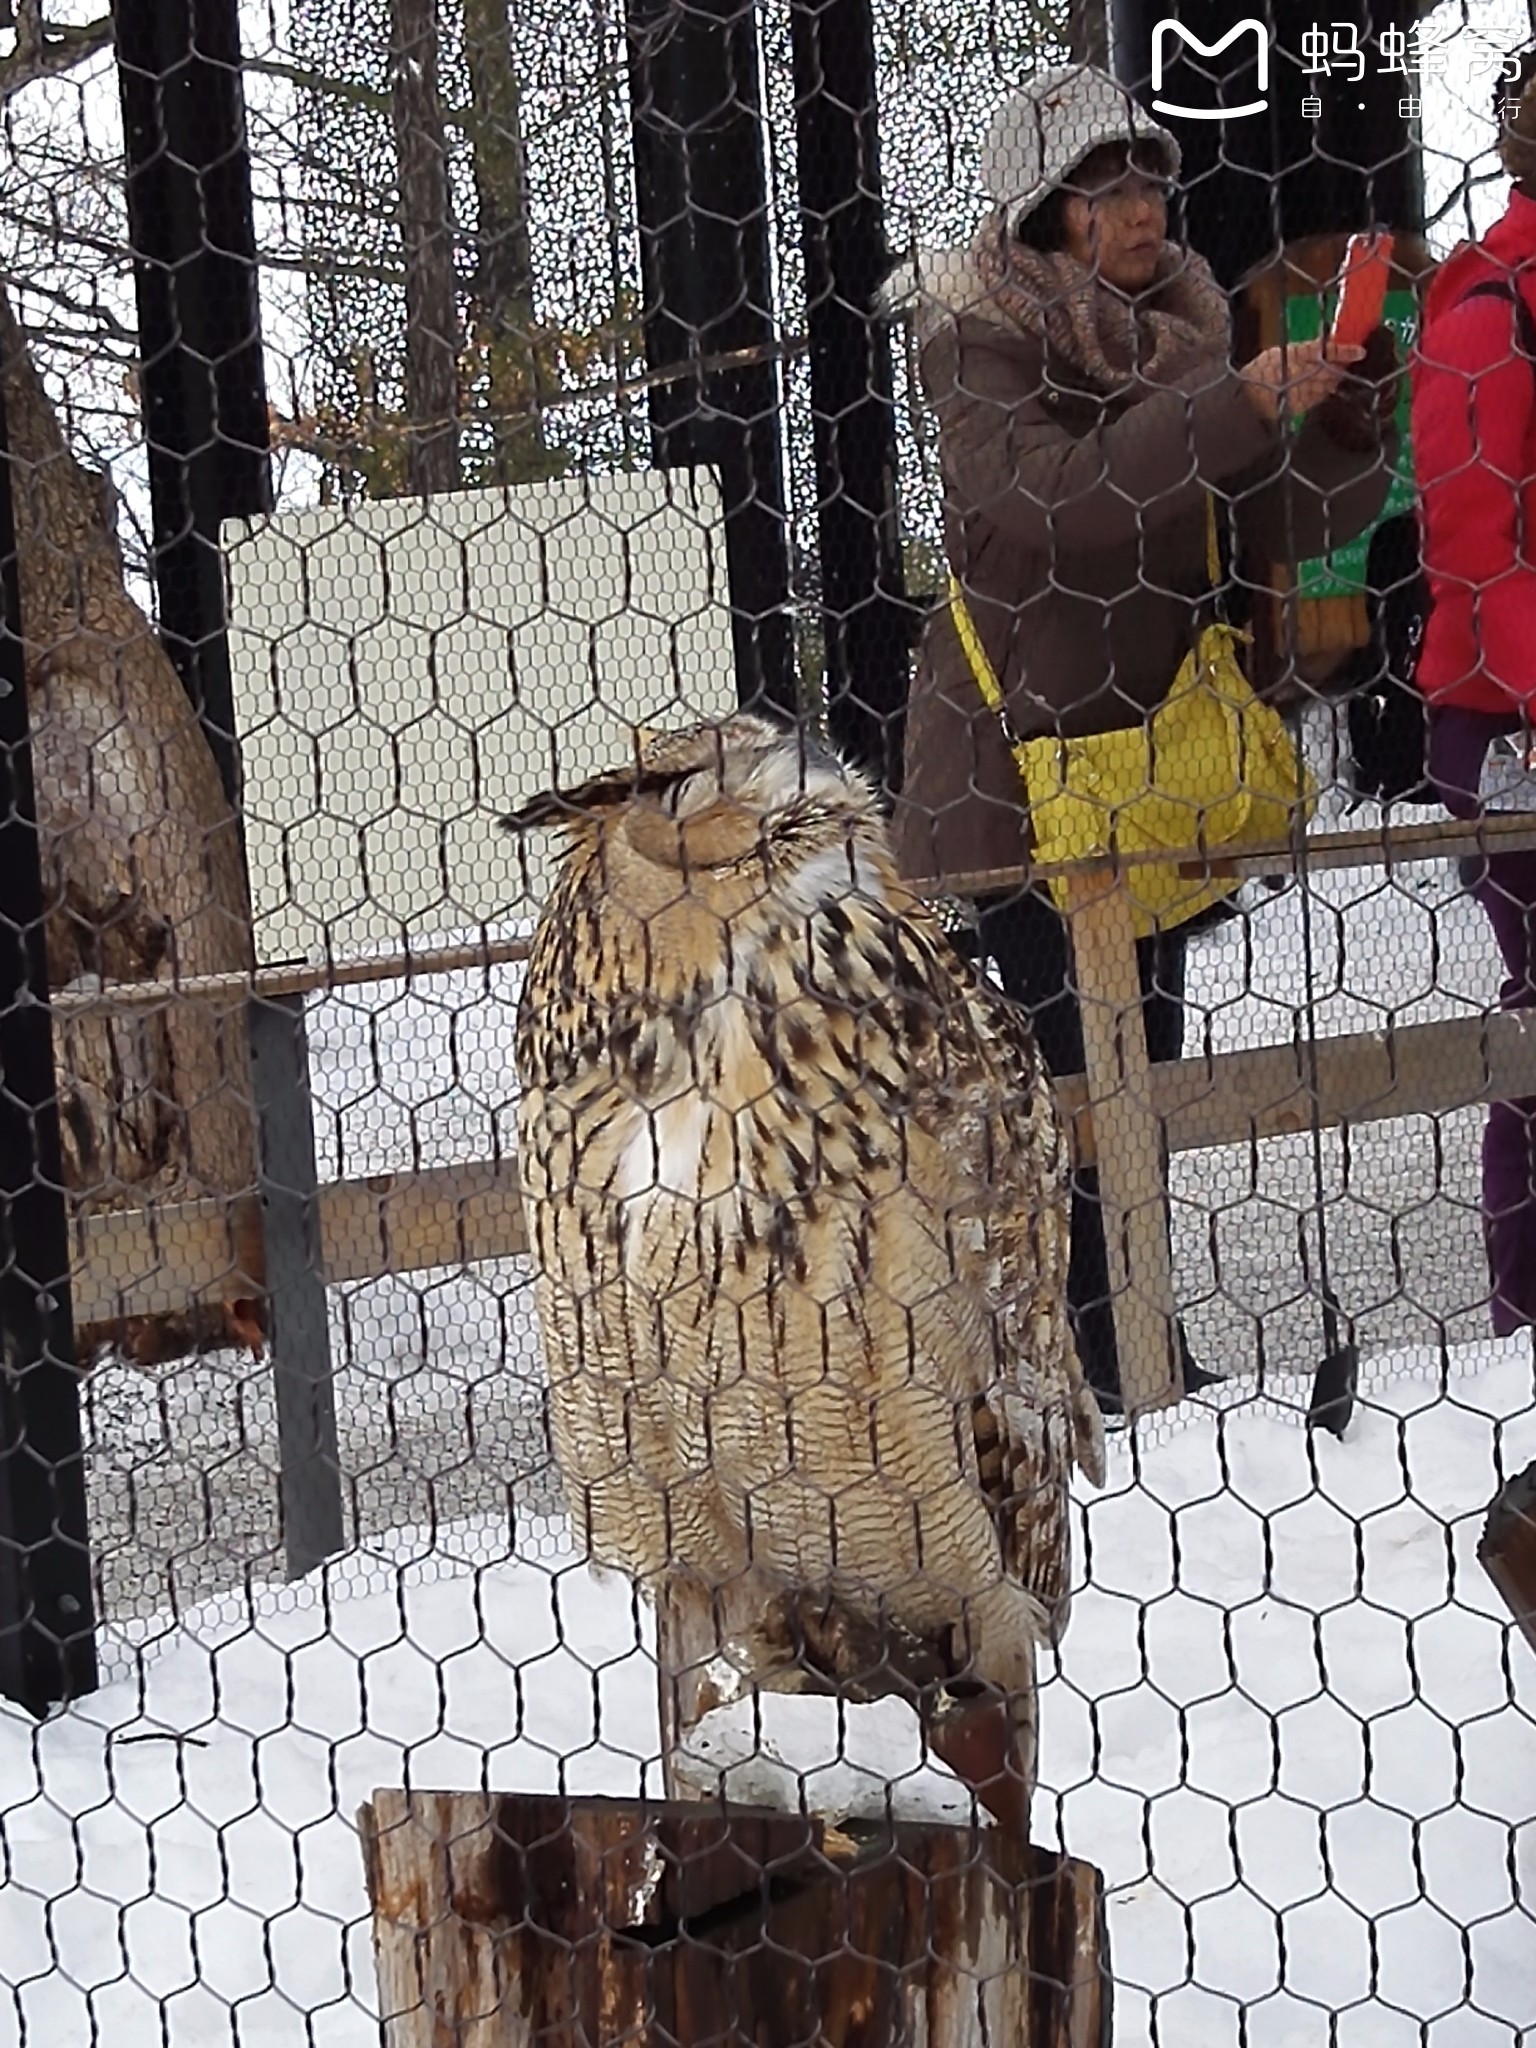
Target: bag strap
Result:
[1525, 320]
[1217, 583]
[979, 661]
[1212, 543]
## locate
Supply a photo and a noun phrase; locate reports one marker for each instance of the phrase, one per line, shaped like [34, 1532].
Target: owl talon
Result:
[977, 1738]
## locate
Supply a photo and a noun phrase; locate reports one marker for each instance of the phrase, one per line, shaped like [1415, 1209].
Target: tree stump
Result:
[509, 1920]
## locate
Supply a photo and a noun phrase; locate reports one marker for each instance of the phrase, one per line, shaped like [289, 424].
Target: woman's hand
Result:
[1297, 377]
[1361, 410]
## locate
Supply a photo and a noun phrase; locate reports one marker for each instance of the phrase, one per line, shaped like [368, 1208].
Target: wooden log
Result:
[1507, 1549]
[522, 1921]
[1363, 1077]
[155, 1261]
[1132, 1178]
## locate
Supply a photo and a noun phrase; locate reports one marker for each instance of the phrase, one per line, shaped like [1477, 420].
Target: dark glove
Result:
[1360, 409]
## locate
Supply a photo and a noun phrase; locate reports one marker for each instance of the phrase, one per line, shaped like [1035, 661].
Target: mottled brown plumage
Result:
[796, 1197]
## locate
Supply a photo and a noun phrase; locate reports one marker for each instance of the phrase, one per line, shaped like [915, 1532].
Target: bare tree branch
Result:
[427, 241]
[1088, 32]
[1461, 193]
[44, 52]
[333, 438]
[104, 325]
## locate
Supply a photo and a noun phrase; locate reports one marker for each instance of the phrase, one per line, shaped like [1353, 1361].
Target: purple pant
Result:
[1458, 742]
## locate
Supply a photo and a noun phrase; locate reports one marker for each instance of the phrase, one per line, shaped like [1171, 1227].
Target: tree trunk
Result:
[142, 870]
[426, 234]
[503, 281]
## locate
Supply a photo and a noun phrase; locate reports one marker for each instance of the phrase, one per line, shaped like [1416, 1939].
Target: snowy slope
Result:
[1290, 1725]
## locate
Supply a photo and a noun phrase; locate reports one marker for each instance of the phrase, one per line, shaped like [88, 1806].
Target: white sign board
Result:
[407, 671]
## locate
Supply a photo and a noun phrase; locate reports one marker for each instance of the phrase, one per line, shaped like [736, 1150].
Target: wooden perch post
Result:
[1129, 1138]
[505, 1921]
[1507, 1549]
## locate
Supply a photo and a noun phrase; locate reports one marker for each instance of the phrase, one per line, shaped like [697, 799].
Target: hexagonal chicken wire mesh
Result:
[991, 1073]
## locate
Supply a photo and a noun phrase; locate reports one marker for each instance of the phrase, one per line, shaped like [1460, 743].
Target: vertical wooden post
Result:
[864, 614]
[1128, 1139]
[201, 375]
[706, 266]
[1507, 1549]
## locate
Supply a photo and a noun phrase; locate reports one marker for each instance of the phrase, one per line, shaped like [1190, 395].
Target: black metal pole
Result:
[202, 388]
[303, 1375]
[1259, 180]
[863, 595]
[203, 394]
[47, 1609]
[702, 201]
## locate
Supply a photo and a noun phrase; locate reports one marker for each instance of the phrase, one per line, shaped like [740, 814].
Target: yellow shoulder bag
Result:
[1212, 767]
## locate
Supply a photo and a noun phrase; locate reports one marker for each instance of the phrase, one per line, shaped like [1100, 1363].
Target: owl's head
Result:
[715, 798]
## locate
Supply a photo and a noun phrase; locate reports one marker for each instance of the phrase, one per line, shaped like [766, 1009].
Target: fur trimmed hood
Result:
[1040, 134]
[934, 285]
[1061, 304]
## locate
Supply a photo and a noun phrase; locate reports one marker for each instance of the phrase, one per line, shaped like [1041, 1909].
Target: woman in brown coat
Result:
[1079, 364]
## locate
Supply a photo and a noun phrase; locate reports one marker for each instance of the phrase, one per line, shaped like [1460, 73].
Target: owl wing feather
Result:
[999, 1162]
[802, 1258]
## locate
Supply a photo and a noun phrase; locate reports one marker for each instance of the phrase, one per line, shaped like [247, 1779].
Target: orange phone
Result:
[1363, 290]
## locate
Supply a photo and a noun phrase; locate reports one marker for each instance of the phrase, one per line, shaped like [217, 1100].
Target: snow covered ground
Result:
[1400, 1198]
[1290, 1724]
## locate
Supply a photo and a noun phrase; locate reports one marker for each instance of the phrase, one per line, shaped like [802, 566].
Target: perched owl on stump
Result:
[796, 1189]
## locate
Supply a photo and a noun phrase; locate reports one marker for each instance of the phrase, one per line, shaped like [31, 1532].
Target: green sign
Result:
[1342, 574]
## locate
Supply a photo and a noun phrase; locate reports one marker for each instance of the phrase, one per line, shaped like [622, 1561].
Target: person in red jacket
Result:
[1474, 439]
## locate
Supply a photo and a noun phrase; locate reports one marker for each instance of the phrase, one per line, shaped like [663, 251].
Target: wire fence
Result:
[557, 1380]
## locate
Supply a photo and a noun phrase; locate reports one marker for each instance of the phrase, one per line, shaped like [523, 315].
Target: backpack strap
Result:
[1525, 320]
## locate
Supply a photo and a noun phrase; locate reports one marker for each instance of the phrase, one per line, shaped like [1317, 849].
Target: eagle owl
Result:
[796, 1198]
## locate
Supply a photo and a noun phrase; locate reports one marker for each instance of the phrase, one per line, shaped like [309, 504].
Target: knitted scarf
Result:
[1180, 320]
